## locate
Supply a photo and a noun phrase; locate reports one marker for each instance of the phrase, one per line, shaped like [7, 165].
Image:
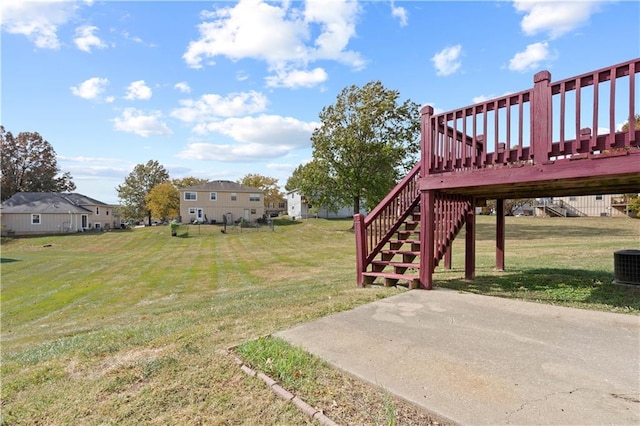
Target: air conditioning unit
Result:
[626, 267]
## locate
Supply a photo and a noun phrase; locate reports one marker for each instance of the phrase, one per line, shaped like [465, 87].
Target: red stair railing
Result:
[374, 230]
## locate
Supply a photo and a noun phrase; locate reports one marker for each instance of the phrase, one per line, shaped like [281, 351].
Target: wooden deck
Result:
[554, 139]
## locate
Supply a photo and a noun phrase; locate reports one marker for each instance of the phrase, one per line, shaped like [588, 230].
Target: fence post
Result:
[541, 117]
[426, 140]
[358, 227]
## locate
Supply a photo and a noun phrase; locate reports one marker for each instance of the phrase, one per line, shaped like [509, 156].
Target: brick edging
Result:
[280, 391]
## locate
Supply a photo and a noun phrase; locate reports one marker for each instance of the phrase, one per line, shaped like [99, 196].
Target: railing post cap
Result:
[426, 110]
[542, 76]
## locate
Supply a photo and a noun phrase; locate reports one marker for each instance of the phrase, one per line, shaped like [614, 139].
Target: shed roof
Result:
[222, 185]
[49, 202]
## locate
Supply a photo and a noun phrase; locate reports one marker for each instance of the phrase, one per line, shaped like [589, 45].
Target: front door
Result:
[246, 215]
[200, 215]
[84, 221]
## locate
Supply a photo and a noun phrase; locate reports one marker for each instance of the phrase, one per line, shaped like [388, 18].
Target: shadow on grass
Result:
[568, 287]
[8, 260]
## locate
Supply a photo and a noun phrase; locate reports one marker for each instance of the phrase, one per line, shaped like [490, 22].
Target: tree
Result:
[29, 165]
[268, 185]
[313, 181]
[625, 126]
[164, 201]
[188, 181]
[366, 142]
[137, 185]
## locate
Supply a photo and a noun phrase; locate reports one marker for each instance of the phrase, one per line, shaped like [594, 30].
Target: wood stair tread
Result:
[391, 275]
[399, 264]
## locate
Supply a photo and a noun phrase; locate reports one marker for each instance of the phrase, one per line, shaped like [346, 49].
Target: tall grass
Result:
[124, 327]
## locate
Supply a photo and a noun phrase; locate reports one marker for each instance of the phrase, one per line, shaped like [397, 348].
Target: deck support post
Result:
[447, 256]
[470, 242]
[500, 233]
[358, 227]
[427, 237]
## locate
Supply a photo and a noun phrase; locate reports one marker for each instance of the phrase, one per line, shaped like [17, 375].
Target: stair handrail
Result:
[373, 231]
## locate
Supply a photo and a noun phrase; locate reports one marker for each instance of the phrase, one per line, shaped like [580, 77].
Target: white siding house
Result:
[299, 208]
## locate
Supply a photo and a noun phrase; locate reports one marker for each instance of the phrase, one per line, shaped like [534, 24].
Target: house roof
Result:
[223, 186]
[49, 202]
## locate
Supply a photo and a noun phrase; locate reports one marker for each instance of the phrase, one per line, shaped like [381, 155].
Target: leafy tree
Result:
[29, 165]
[164, 201]
[268, 185]
[633, 203]
[137, 185]
[313, 181]
[188, 181]
[625, 126]
[366, 141]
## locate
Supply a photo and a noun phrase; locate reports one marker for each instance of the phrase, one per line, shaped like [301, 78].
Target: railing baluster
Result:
[594, 129]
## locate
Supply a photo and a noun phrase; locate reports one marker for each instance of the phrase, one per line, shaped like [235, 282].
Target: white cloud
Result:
[284, 167]
[554, 17]
[242, 75]
[183, 86]
[258, 138]
[297, 78]
[135, 121]
[447, 60]
[482, 98]
[272, 130]
[86, 39]
[531, 58]
[38, 21]
[211, 106]
[138, 90]
[90, 89]
[400, 13]
[277, 34]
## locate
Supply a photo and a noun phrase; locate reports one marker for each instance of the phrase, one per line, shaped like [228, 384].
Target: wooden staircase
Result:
[391, 234]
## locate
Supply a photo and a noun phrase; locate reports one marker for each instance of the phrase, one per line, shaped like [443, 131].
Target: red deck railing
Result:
[574, 118]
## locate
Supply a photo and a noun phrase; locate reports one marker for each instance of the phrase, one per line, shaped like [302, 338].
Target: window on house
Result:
[254, 197]
[213, 196]
[281, 205]
[97, 210]
[572, 198]
[234, 196]
[192, 210]
[107, 212]
[598, 197]
[193, 196]
[35, 219]
[253, 211]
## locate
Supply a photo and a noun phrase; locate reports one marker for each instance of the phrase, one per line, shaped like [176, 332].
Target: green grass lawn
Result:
[125, 327]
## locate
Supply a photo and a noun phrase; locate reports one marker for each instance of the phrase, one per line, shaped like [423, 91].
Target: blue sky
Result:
[217, 90]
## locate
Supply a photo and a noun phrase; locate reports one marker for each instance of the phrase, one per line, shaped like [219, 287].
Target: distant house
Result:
[276, 206]
[299, 207]
[614, 205]
[213, 201]
[54, 213]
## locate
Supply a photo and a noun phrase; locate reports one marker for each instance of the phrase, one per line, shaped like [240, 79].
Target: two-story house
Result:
[216, 200]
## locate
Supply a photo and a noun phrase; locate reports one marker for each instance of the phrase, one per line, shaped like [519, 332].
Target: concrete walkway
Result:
[480, 360]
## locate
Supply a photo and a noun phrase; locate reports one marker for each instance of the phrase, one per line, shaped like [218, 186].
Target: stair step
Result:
[409, 252]
[394, 264]
[392, 276]
[405, 241]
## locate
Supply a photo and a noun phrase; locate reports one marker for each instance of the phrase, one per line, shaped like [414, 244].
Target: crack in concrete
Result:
[544, 398]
